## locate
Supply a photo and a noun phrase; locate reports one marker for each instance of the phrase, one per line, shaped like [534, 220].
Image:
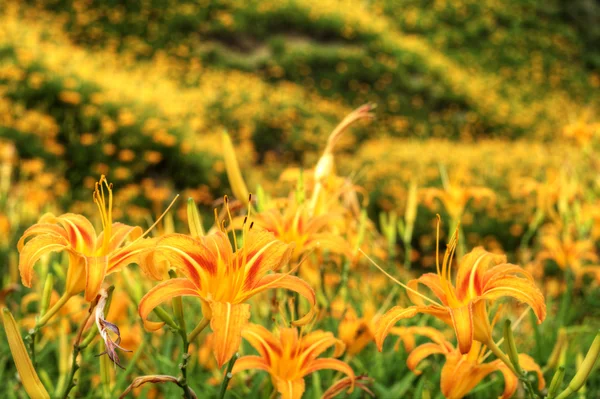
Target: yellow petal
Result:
[462, 321]
[161, 293]
[31, 382]
[95, 271]
[36, 248]
[227, 323]
[329, 364]
[519, 288]
[389, 319]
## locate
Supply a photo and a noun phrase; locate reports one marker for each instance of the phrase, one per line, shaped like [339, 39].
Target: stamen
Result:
[230, 223]
[157, 220]
[406, 287]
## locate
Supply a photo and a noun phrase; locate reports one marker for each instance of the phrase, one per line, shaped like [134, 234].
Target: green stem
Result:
[77, 348]
[501, 355]
[198, 329]
[227, 376]
[31, 337]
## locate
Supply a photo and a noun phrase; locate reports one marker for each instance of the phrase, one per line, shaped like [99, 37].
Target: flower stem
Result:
[198, 329]
[501, 355]
[77, 348]
[228, 375]
[31, 337]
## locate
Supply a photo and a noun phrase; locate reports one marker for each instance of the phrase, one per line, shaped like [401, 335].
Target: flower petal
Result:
[519, 288]
[328, 364]
[290, 389]
[162, 293]
[420, 353]
[250, 363]
[262, 252]
[279, 280]
[472, 268]
[527, 363]
[462, 321]
[392, 316]
[95, 271]
[431, 281]
[265, 343]
[41, 228]
[119, 233]
[227, 323]
[36, 248]
[80, 232]
[317, 342]
[345, 383]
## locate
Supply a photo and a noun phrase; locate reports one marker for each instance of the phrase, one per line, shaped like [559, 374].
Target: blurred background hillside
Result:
[491, 93]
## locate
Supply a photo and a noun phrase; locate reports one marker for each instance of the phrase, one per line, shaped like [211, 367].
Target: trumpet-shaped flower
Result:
[222, 278]
[463, 372]
[91, 256]
[481, 277]
[570, 253]
[294, 225]
[455, 197]
[288, 358]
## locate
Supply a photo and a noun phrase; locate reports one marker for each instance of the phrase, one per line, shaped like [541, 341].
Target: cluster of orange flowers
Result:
[297, 243]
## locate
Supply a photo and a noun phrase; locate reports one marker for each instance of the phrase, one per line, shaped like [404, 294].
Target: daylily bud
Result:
[410, 214]
[511, 347]
[324, 167]
[559, 347]
[194, 219]
[31, 382]
[584, 370]
[238, 186]
[557, 380]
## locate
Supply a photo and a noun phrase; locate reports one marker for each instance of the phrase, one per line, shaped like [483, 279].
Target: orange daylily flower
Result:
[222, 278]
[289, 358]
[455, 197]
[294, 225]
[462, 372]
[570, 253]
[91, 256]
[357, 332]
[481, 277]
